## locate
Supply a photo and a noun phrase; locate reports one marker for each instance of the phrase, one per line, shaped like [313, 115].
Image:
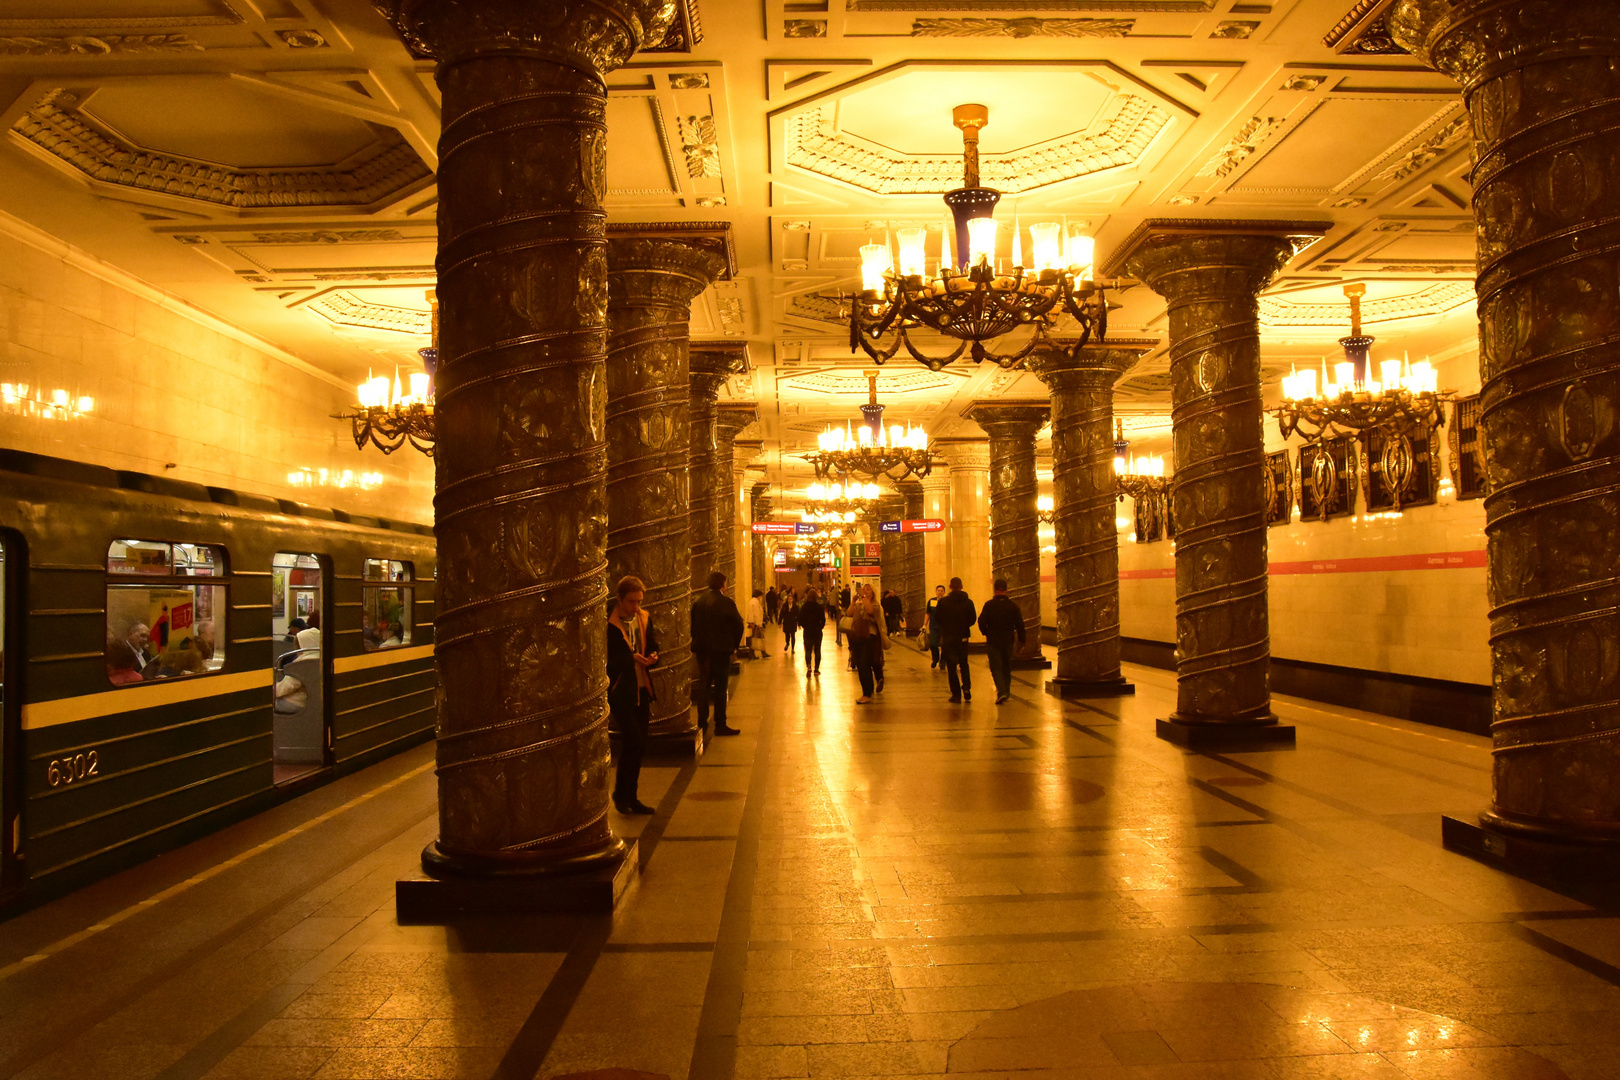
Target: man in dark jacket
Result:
[773, 603]
[717, 628]
[812, 621]
[893, 609]
[1002, 624]
[632, 652]
[954, 616]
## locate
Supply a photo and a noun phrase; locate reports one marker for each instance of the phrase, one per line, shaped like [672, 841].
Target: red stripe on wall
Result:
[1436, 560]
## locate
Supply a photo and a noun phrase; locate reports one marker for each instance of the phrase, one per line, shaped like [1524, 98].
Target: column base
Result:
[1213, 736]
[1573, 867]
[595, 888]
[1031, 663]
[1088, 688]
[678, 744]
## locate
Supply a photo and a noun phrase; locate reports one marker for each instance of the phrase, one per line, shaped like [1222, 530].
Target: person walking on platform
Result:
[954, 616]
[930, 627]
[790, 621]
[773, 603]
[867, 634]
[893, 609]
[1001, 623]
[632, 652]
[756, 622]
[717, 628]
[812, 619]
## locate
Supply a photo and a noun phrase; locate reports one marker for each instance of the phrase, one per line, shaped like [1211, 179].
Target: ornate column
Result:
[522, 458]
[760, 499]
[711, 366]
[936, 491]
[1211, 272]
[651, 285]
[1015, 542]
[1083, 513]
[1542, 83]
[742, 543]
[730, 420]
[969, 523]
[911, 586]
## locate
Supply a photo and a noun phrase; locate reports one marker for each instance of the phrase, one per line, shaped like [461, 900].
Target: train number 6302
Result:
[69, 770]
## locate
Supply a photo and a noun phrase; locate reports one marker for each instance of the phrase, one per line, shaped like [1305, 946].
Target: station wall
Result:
[172, 386]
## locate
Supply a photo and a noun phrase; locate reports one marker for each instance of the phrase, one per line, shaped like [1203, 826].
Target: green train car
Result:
[178, 657]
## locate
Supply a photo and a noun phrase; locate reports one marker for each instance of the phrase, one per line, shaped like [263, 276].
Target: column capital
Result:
[1014, 418]
[659, 271]
[594, 36]
[1096, 366]
[731, 417]
[712, 363]
[1474, 41]
[960, 454]
[1180, 258]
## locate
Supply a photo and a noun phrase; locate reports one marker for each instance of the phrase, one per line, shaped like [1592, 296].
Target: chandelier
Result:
[1045, 510]
[389, 415]
[1405, 395]
[1137, 477]
[870, 449]
[974, 295]
[838, 501]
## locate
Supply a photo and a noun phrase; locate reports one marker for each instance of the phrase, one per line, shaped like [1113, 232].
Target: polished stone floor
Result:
[1041, 890]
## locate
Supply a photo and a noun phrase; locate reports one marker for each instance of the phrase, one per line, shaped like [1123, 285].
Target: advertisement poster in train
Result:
[171, 619]
[278, 593]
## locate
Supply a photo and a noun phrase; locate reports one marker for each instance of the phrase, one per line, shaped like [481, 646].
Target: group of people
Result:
[717, 629]
[136, 656]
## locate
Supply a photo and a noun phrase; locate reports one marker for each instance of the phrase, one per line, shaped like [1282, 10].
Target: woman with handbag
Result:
[867, 635]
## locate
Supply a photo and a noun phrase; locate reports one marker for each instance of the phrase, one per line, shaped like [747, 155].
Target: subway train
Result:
[177, 657]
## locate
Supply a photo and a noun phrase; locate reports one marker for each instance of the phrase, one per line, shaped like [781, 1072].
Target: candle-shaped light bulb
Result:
[419, 387]
[947, 244]
[982, 241]
[1046, 242]
[1345, 375]
[1389, 373]
[874, 264]
[913, 252]
[1018, 242]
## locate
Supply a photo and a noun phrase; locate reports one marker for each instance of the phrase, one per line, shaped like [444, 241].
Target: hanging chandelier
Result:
[1405, 395]
[838, 501]
[390, 414]
[870, 449]
[975, 296]
[1045, 510]
[1136, 477]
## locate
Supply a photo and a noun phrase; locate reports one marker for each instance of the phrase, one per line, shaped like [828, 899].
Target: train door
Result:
[11, 615]
[301, 657]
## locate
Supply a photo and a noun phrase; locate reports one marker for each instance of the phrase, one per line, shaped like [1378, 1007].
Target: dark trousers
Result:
[812, 650]
[953, 654]
[862, 649]
[933, 648]
[714, 670]
[1001, 655]
[787, 635]
[631, 723]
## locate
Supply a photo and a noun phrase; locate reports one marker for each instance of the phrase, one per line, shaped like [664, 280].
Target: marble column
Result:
[1083, 504]
[521, 465]
[1211, 273]
[730, 420]
[911, 585]
[969, 525]
[651, 285]
[936, 487]
[712, 365]
[1542, 83]
[1015, 542]
[742, 542]
[760, 501]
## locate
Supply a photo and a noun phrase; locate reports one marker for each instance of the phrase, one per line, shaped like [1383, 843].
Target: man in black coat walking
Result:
[954, 616]
[1001, 623]
[632, 651]
[717, 629]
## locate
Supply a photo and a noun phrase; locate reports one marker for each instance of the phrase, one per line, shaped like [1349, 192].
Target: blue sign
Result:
[804, 527]
[889, 526]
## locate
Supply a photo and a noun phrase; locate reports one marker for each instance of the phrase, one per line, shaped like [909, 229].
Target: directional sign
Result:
[920, 525]
[783, 528]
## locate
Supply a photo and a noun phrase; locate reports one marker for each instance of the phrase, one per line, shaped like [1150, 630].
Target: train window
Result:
[386, 604]
[161, 622]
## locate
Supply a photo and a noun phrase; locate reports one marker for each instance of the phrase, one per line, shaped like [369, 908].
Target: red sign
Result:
[920, 525]
[865, 571]
[775, 528]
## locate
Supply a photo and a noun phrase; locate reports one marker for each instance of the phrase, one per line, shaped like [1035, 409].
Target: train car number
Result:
[70, 770]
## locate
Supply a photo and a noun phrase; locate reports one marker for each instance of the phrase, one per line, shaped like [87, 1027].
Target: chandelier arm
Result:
[931, 361]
